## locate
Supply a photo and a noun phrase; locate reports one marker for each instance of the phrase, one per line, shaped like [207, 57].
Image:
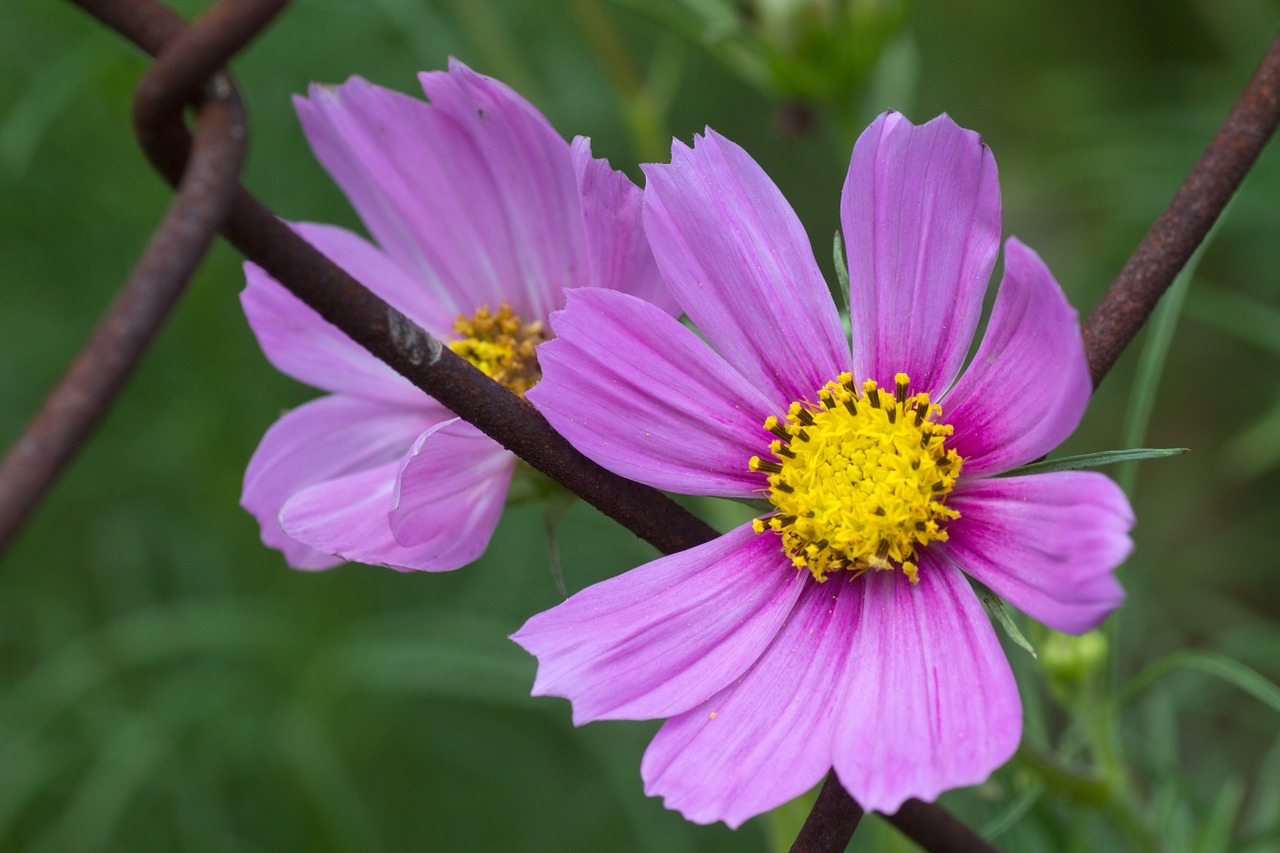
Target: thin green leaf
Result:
[1266, 844]
[842, 274]
[438, 667]
[1263, 814]
[998, 612]
[104, 791]
[1021, 804]
[759, 505]
[1097, 460]
[43, 100]
[304, 746]
[557, 508]
[1231, 671]
[1215, 837]
[1155, 349]
[1256, 449]
[1243, 317]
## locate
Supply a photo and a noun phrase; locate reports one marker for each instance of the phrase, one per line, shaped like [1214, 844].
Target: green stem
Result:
[1073, 785]
[1121, 806]
[1108, 792]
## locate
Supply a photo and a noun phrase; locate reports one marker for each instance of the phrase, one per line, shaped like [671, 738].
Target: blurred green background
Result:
[167, 683]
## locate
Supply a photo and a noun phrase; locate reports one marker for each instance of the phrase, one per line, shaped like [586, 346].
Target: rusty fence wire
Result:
[203, 163]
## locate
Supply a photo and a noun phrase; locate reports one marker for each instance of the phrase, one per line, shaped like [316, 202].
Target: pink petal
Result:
[1048, 543]
[766, 738]
[921, 218]
[473, 194]
[536, 182]
[930, 703]
[372, 267]
[738, 261]
[662, 638]
[644, 397]
[381, 148]
[351, 516]
[345, 516]
[1028, 385]
[300, 343]
[611, 215]
[449, 495]
[325, 439]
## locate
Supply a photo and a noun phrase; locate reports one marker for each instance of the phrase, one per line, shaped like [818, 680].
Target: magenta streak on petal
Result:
[766, 738]
[921, 216]
[1028, 385]
[1047, 543]
[931, 703]
[738, 261]
[660, 639]
[640, 394]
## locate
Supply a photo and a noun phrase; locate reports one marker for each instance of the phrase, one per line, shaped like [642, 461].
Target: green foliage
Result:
[1000, 614]
[166, 683]
[1101, 459]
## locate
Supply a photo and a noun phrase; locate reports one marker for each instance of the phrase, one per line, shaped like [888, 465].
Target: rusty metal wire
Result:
[1184, 223]
[97, 375]
[395, 339]
[209, 198]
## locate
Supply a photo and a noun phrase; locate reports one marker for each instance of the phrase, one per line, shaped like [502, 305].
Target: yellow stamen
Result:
[860, 480]
[502, 345]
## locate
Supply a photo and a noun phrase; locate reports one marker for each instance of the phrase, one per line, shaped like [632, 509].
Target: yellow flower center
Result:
[860, 479]
[502, 345]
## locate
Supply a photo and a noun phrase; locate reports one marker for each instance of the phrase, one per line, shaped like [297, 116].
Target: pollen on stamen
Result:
[922, 408]
[858, 488]
[758, 464]
[900, 382]
[772, 425]
[501, 345]
[873, 393]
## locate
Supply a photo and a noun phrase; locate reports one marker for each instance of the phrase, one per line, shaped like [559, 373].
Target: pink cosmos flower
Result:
[483, 216]
[838, 629]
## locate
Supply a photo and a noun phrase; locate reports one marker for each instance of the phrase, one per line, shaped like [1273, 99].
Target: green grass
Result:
[165, 681]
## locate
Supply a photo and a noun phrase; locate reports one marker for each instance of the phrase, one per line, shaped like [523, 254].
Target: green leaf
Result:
[998, 612]
[1215, 837]
[1237, 314]
[1096, 460]
[1231, 671]
[1256, 449]
[760, 505]
[842, 274]
[557, 508]
[1013, 813]
[1155, 349]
